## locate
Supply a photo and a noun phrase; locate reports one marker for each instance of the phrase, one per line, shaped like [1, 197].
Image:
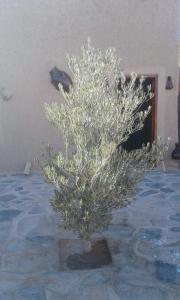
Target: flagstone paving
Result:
[144, 239]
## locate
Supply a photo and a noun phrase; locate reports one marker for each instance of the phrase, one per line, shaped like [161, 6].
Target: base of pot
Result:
[73, 257]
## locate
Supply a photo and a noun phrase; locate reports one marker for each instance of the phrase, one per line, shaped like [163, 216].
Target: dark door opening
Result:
[148, 132]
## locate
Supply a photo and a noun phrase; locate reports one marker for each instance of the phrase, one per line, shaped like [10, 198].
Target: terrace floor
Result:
[144, 239]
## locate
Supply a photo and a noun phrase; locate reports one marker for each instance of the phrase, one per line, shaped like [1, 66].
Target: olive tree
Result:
[95, 174]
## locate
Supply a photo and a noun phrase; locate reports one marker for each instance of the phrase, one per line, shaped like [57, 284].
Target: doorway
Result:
[148, 133]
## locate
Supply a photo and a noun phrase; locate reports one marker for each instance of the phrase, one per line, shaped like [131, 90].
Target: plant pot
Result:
[76, 254]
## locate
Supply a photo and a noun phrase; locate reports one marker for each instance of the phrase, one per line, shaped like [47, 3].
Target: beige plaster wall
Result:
[35, 35]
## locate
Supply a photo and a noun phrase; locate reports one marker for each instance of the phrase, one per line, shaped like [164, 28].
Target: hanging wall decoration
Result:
[60, 77]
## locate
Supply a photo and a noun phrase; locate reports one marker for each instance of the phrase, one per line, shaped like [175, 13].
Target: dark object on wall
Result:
[60, 77]
[169, 84]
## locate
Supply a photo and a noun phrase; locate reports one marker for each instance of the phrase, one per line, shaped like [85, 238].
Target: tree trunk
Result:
[87, 246]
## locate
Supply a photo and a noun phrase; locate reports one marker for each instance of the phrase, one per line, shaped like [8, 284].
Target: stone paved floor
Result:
[144, 239]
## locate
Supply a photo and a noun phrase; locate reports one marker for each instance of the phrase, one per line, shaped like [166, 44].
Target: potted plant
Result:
[95, 174]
